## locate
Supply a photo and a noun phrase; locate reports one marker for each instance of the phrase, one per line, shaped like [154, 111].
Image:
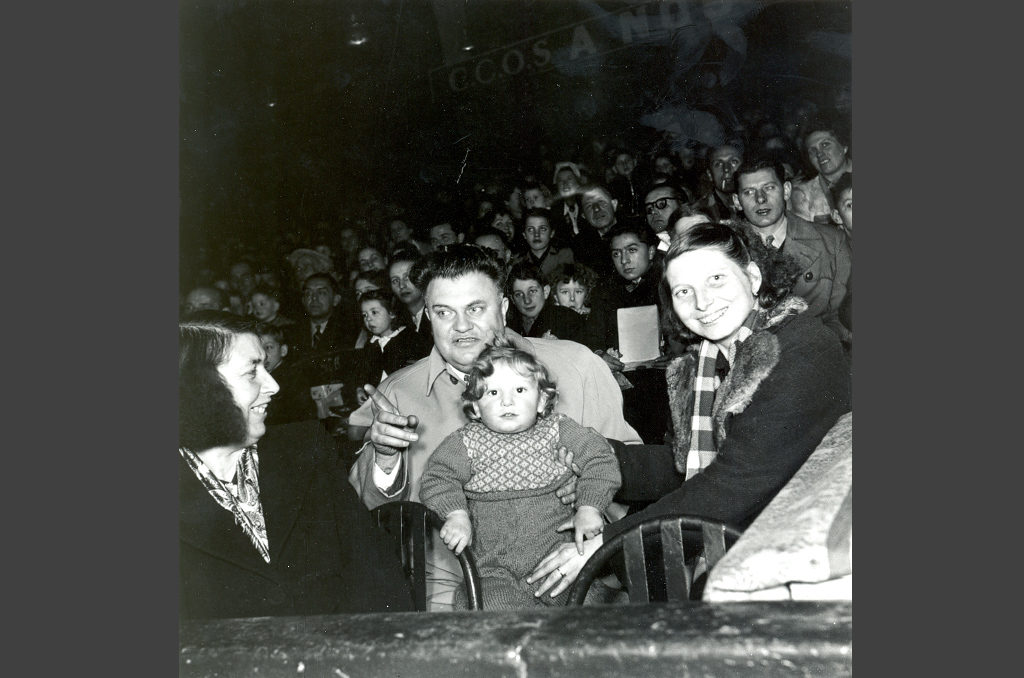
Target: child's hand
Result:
[588, 523]
[457, 532]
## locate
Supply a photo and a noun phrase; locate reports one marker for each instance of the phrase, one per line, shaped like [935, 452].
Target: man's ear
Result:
[547, 291]
[504, 309]
[787, 190]
[615, 205]
[337, 300]
[284, 350]
[736, 202]
[460, 237]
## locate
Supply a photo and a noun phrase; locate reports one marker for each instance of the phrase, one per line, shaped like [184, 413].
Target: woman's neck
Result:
[222, 461]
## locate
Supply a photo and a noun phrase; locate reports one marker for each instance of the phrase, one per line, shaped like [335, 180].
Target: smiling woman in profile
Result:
[269, 524]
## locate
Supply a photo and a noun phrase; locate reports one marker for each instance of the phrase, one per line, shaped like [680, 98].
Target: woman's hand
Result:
[560, 568]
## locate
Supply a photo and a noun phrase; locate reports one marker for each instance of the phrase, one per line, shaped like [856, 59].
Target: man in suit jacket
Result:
[823, 251]
[330, 327]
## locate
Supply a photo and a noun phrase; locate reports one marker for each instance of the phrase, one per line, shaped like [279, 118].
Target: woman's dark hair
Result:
[207, 413]
[742, 245]
[522, 362]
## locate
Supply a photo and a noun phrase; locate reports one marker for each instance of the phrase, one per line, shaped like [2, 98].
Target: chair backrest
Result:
[658, 567]
[410, 524]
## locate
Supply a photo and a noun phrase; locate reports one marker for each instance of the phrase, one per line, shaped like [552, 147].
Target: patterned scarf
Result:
[702, 441]
[241, 498]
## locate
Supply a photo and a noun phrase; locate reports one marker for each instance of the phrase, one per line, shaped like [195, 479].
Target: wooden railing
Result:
[724, 639]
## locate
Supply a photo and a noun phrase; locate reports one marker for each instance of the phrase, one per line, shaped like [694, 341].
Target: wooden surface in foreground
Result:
[722, 639]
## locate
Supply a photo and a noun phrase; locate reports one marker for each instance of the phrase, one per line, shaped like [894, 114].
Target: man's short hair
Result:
[642, 232]
[207, 413]
[269, 291]
[490, 230]
[322, 276]
[542, 212]
[735, 143]
[276, 332]
[455, 261]
[524, 269]
[591, 187]
[757, 163]
[674, 192]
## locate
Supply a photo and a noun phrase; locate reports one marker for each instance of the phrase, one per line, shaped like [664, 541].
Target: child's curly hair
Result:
[526, 364]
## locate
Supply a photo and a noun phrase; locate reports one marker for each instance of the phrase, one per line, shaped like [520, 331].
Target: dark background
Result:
[285, 122]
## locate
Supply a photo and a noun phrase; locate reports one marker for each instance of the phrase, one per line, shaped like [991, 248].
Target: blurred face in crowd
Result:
[504, 223]
[466, 313]
[402, 287]
[663, 165]
[200, 299]
[722, 165]
[376, 318]
[305, 266]
[243, 280]
[529, 297]
[319, 299]
[537, 233]
[399, 231]
[363, 285]
[658, 205]
[245, 373]
[511, 401]
[631, 257]
[843, 213]
[762, 197]
[443, 234]
[275, 351]
[534, 197]
[826, 154]
[566, 182]
[599, 209]
[572, 295]
[711, 294]
[624, 164]
[493, 242]
[264, 308]
[370, 259]
[515, 202]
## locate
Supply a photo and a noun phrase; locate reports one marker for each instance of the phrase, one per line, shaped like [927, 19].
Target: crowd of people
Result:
[476, 348]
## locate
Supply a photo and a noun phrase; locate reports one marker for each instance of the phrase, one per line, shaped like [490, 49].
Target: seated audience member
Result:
[293, 401]
[494, 240]
[823, 251]
[571, 287]
[683, 218]
[416, 408]
[466, 304]
[329, 327]
[392, 345]
[370, 258]
[659, 203]
[531, 315]
[829, 155]
[447, 232]
[495, 480]
[537, 232]
[565, 208]
[590, 245]
[205, 299]
[265, 305]
[401, 233]
[751, 399]
[243, 281]
[304, 263]
[535, 195]
[623, 185]
[723, 161]
[411, 298]
[364, 282]
[842, 198]
[501, 219]
[269, 525]
[664, 170]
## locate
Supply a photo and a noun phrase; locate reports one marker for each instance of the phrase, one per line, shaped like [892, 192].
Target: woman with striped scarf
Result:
[756, 391]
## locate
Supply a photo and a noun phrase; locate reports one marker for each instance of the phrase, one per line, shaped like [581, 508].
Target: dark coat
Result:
[790, 382]
[326, 556]
[564, 323]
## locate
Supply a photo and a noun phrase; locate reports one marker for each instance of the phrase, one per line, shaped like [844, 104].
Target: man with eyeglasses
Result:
[659, 203]
[823, 252]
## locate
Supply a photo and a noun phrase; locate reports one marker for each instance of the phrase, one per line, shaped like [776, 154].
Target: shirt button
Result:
[808, 276]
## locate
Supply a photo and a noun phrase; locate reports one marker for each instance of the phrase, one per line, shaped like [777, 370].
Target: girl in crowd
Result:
[494, 479]
[750, 400]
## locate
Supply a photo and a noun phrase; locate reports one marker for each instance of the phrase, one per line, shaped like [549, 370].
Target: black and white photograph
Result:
[515, 337]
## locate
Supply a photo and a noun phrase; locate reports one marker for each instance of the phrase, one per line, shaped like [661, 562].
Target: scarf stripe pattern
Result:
[246, 506]
[702, 441]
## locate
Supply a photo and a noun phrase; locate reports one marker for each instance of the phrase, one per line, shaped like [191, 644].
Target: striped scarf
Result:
[702, 441]
[241, 498]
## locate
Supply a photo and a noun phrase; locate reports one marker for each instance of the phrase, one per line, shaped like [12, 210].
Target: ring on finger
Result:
[559, 571]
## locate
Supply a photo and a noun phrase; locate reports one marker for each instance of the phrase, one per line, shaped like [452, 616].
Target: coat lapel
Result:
[285, 476]
[799, 236]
